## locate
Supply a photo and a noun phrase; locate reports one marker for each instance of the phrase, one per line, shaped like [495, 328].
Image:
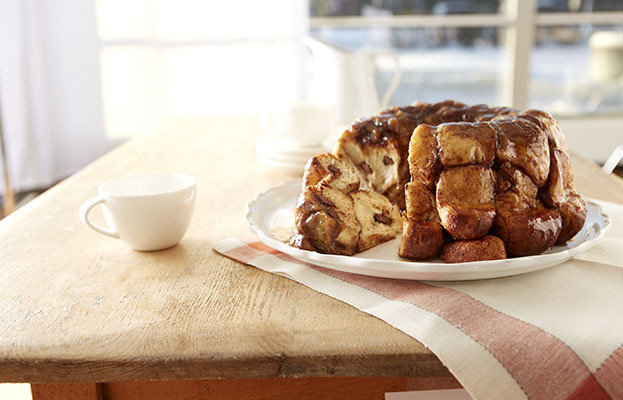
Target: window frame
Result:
[520, 19]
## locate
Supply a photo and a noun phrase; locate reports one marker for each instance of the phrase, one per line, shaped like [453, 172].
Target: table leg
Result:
[65, 391]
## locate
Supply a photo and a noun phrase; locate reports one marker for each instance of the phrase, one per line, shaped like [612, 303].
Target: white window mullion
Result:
[412, 21]
[520, 39]
[570, 18]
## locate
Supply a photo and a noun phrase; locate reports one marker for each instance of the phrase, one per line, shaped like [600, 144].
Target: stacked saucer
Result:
[281, 153]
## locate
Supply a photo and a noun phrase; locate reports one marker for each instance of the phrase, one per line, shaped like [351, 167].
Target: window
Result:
[168, 59]
[163, 59]
[565, 56]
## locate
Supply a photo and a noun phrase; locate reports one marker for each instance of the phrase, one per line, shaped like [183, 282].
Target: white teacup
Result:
[148, 212]
[304, 124]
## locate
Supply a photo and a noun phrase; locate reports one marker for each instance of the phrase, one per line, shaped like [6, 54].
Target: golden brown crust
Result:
[515, 191]
[488, 248]
[573, 214]
[523, 145]
[446, 111]
[522, 148]
[326, 221]
[482, 112]
[560, 194]
[465, 143]
[527, 232]
[424, 155]
[420, 239]
[465, 201]
[523, 222]
[549, 126]
[420, 203]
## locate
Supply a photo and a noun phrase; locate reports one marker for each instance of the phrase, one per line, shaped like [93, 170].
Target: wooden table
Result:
[78, 307]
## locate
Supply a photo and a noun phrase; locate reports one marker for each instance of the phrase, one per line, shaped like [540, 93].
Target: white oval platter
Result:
[270, 216]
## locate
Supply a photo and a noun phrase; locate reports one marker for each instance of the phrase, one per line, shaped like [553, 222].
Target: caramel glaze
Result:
[395, 126]
[316, 215]
[468, 211]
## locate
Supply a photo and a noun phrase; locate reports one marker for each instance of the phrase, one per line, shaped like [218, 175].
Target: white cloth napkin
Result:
[551, 334]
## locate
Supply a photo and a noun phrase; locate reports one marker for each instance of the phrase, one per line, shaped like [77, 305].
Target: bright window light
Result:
[132, 98]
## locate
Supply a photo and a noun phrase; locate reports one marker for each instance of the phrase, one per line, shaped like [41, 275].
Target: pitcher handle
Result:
[393, 85]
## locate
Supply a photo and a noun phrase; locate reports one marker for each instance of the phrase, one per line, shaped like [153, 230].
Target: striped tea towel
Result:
[551, 334]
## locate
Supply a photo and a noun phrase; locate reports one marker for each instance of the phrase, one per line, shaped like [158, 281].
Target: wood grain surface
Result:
[67, 391]
[360, 388]
[80, 306]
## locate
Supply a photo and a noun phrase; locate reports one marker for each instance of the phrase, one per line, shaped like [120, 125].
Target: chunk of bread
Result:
[488, 248]
[420, 240]
[522, 221]
[527, 232]
[424, 155]
[326, 169]
[525, 146]
[326, 221]
[465, 201]
[377, 164]
[379, 219]
[465, 143]
[549, 126]
[420, 203]
[559, 193]
[330, 221]
[422, 233]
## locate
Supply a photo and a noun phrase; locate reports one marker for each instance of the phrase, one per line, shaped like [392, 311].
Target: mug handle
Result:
[86, 207]
[393, 85]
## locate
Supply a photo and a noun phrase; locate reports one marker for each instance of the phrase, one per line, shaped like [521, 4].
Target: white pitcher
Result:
[346, 78]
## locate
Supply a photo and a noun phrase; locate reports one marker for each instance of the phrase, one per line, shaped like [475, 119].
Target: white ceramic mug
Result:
[304, 124]
[148, 212]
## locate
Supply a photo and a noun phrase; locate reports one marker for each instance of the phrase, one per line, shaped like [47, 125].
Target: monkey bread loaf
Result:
[473, 183]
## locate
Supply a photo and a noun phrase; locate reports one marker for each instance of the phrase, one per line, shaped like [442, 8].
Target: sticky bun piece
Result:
[326, 221]
[377, 163]
[523, 222]
[424, 155]
[378, 146]
[379, 219]
[488, 248]
[549, 126]
[330, 171]
[524, 146]
[466, 143]
[422, 233]
[465, 201]
[560, 194]
[334, 216]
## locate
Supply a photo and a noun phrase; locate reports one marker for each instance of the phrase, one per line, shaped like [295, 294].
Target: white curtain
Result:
[77, 77]
[49, 89]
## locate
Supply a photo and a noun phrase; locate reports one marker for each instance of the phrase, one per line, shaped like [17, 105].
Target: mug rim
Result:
[188, 183]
